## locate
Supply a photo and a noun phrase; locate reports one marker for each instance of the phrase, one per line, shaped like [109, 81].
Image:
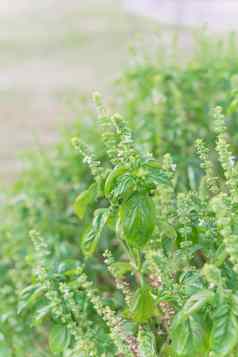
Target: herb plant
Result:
[133, 238]
[176, 264]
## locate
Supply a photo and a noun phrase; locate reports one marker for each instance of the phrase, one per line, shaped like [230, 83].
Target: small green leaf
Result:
[137, 217]
[121, 268]
[84, 199]
[220, 255]
[22, 306]
[90, 242]
[42, 313]
[167, 231]
[59, 338]
[26, 292]
[69, 267]
[144, 306]
[92, 238]
[29, 296]
[233, 107]
[192, 282]
[155, 174]
[212, 274]
[112, 179]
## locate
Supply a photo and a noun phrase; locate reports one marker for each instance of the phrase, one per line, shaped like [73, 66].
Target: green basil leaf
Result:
[59, 338]
[189, 336]
[125, 187]
[155, 174]
[220, 255]
[84, 199]
[121, 268]
[192, 282]
[69, 267]
[91, 240]
[224, 335]
[112, 179]
[42, 313]
[197, 301]
[144, 306]
[233, 107]
[29, 296]
[137, 217]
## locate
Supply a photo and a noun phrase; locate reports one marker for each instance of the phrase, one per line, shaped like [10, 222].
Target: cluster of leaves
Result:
[168, 104]
[178, 269]
[145, 261]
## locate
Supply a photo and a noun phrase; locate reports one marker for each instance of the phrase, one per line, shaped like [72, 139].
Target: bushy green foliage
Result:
[168, 103]
[125, 243]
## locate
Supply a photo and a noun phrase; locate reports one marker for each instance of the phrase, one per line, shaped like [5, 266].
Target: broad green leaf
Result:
[125, 187]
[91, 240]
[197, 301]
[224, 335]
[192, 282]
[42, 313]
[189, 336]
[137, 217]
[212, 274]
[100, 219]
[29, 297]
[144, 306]
[29, 290]
[220, 255]
[112, 179]
[233, 107]
[84, 199]
[59, 338]
[155, 174]
[22, 306]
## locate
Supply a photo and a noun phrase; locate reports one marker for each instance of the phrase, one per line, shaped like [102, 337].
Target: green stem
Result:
[135, 260]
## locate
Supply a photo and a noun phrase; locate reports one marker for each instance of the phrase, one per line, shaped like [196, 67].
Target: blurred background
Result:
[52, 52]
